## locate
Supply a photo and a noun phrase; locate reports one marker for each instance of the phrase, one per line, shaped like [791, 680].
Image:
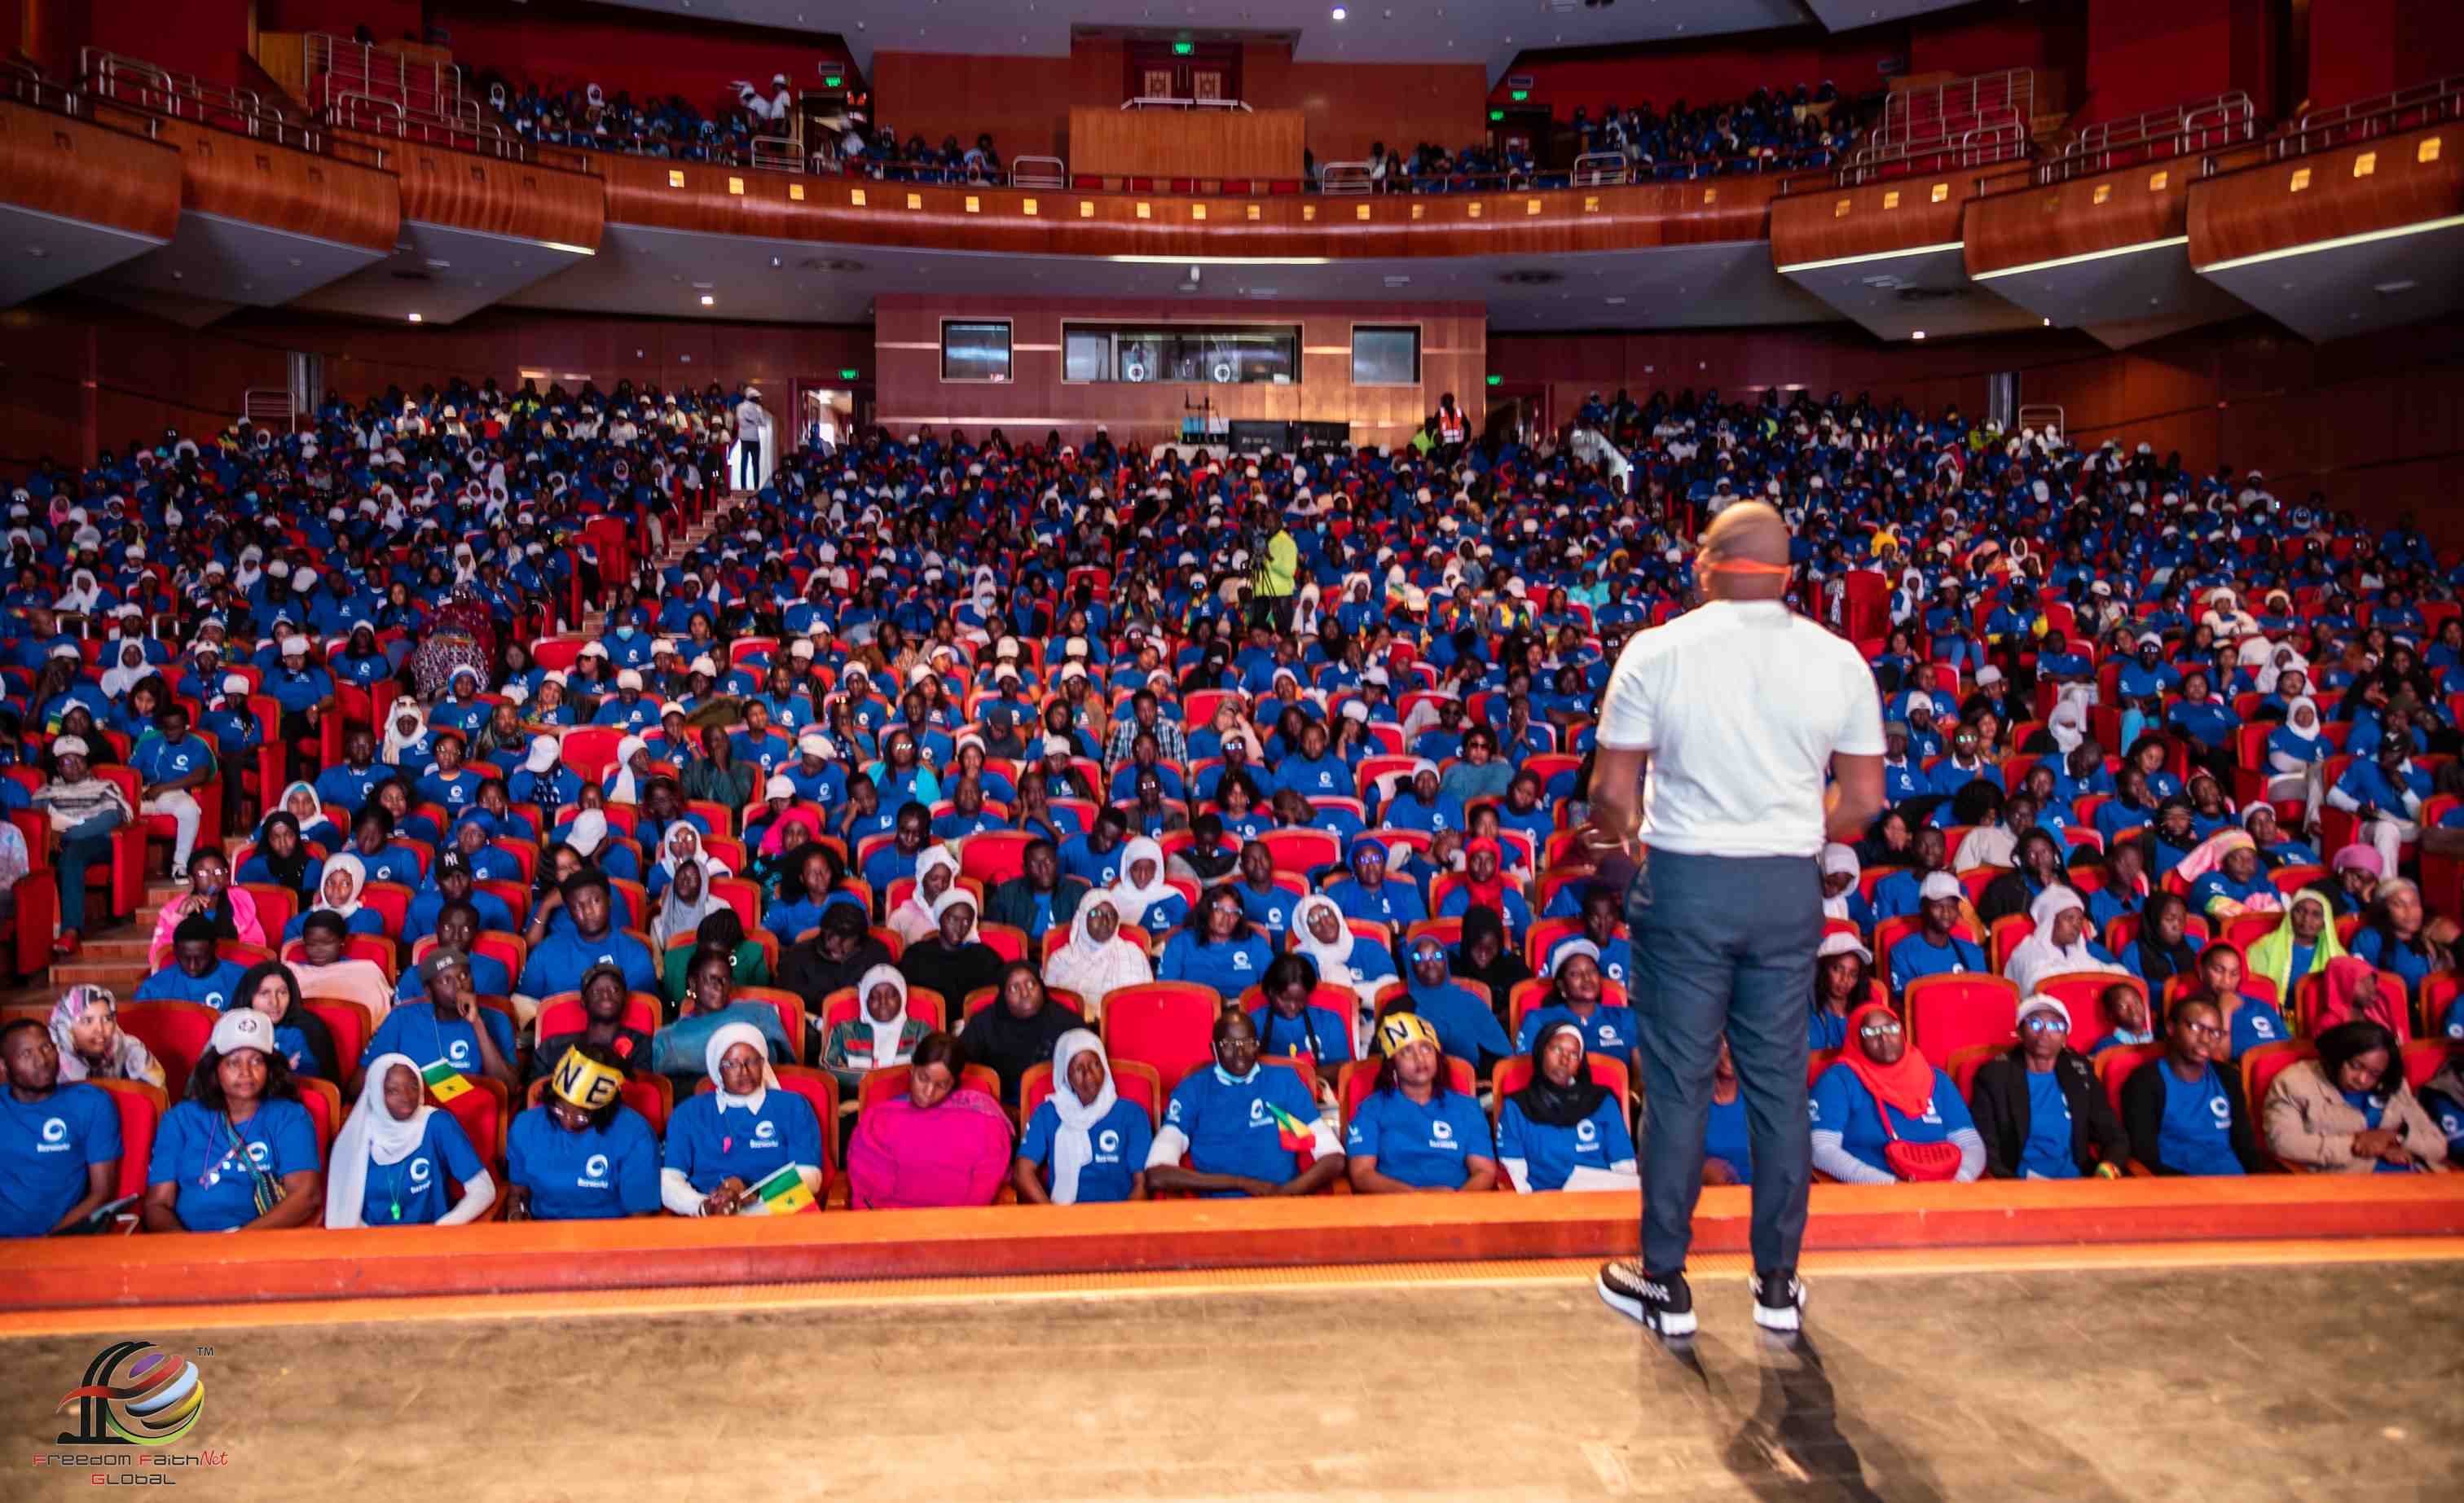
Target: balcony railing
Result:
[2180, 130]
[2400, 109]
[144, 86]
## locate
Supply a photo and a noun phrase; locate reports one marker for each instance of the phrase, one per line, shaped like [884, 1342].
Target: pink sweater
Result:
[955, 1153]
[243, 919]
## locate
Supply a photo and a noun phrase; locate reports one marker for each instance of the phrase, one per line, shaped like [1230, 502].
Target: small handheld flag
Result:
[442, 1081]
[782, 1193]
[1290, 1131]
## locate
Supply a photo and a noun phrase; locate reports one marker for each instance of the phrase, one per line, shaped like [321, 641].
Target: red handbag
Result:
[1917, 1162]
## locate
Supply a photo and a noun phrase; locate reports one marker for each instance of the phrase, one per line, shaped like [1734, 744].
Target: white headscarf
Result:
[1131, 901]
[928, 909]
[1094, 971]
[625, 791]
[711, 865]
[724, 1037]
[885, 1035]
[677, 920]
[951, 899]
[349, 865]
[119, 678]
[2309, 733]
[1836, 859]
[395, 741]
[2037, 956]
[82, 595]
[1073, 1144]
[2068, 723]
[2282, 661]
[370, 1135]
[1333, 961]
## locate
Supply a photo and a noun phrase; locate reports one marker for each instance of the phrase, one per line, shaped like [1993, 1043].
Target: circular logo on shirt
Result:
[458, 1051]
[2262, 1027]
[1240, 959]
[1442, 1130]
[1608, 1034]
[1587, 1131]
[765, 1132]
[1107, 1142]
[258, 1155]
[419, 1174]
[55, 1130]
[214, 1000]
[1931, 1114]
[595, 1166]
[1257, 1111]
[2220, 1109]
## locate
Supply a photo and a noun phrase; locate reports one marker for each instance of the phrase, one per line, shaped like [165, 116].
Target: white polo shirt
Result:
[1741, 705]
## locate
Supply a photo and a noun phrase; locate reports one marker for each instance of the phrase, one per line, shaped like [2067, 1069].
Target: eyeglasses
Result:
[1880, 1030]
[2044, 1023]
[2203, 1030]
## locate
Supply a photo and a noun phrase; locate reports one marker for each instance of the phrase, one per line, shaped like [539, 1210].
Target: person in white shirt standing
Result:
[750, 421]
[1737, 711]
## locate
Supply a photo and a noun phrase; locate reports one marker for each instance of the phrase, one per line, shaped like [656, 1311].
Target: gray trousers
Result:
[1723, 945]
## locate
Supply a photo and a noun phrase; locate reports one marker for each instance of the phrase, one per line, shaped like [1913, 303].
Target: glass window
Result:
[1385, 354]
[975, 351]
[1201, 354]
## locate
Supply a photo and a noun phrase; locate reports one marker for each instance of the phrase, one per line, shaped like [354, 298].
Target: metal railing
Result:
[1592, 168]
[141, 85]
[1945, 111]
[2399, 109]
[338, 66]
[2180, 130]
[1996, 139]
[1341, 179]
[1039, 172]
[371, 115]
[2045, 418]
[1165, 101]
[268, 407]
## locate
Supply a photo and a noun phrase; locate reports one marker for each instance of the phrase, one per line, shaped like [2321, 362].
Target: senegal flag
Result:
[1290, 1131]
[783, 1193]
[442, 1081]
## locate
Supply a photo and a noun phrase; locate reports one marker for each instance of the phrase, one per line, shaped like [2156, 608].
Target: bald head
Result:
[1745, 532]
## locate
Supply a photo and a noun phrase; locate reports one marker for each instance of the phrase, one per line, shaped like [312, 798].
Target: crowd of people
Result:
[929, 787]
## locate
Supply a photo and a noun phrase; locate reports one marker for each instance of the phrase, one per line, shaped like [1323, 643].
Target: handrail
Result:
[391, 117]
[1999, 139]
[1336, 178]
[2013, 90]
[2397, 109]
[333, 59]
[1020, 177]
[266, 406]
[1166, 101]
[2178, 130]
[141, 85]
[2049, 429]
[1603, 167]
[26, 83]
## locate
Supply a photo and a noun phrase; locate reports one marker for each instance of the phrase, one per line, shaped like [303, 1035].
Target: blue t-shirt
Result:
[1120, 1140]
[1230, 969]
[1728, 1138]
[46, 1148]
[193, 1151]
[1610, 1032]
[2047, 1153]
[2256, 1022]
[709, 1146]
[1842, 1104]
[1550, 1155]
[1320, 1033]
[1227, 1124]
[1271, 910]
[1426, 1147]
[1466, 1028]
[411, 1193]
[585, 1175]
[2196, 1134]
[2373, 1110]
[564, 958]
[214, 988]
[1918, 957]
[417, 1030]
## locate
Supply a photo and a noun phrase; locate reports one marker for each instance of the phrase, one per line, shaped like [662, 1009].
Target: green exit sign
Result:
[1497, 114]
[832, 81]
[849, 375]
[1518, 96]
[1182, 49]
[1497, 380]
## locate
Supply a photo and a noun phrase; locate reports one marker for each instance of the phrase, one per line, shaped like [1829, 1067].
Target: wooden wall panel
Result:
[1825, 223]
[1348, 106]
[283, 189]
[2149, 201]
[78, 171]
[911, 395]
[2259, 208]
[714, 200]
[469, 191]
[1108, 142]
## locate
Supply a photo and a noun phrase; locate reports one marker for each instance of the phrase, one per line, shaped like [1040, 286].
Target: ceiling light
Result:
[2049, 323]
[1337, 12]
[414, 317]
[1918, 335]
[707, 300]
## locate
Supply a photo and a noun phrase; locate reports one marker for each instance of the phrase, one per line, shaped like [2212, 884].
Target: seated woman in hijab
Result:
[282, 858]
[582, 1154]
[680, 909]
[2395, 936]
[1084, 1146]
[1482, 955]
[952, 960]
[1144, 899]
[338, 893]
[85, 1030]
[938, 1143]
[241, 1152]
[746, 1148]
[1412, 1132]
[2227, 877]
[2163, 948]
[393, 1155]
[1486, 886]
[710, 1005]
[1578, 993]
[1320, 932]
[1290, 1023]
[407, 743]
[211, 897]
[300, 1036]
[2350, 1111]
[1099, 959]
[1018, 1031]
[307, 812]
[2297, 757]
[937, 871]
[681, 847]
[603, 999]
[1883, 1114]
[881, 1034]
[1840, 898]
[2175, 834]
[2060, 946]
[1563, 1120]
[1466, 1024]
[2301, 945]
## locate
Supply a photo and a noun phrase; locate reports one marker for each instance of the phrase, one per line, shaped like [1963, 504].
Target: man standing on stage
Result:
[1737, 710]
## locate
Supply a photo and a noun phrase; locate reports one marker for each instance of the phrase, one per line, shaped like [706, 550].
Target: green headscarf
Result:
[2272, 955]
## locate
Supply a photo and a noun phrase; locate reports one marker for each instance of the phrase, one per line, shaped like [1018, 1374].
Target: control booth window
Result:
[1385, 354]
[976, 351]
[1181, 354]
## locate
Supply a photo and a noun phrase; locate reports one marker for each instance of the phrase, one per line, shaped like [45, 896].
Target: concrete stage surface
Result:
[2218, 1370]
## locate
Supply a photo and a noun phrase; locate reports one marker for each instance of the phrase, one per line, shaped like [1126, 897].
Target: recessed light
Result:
[1918, 335]
[414, 317]
[707, 300]
[1338, 13]
[2049, 323]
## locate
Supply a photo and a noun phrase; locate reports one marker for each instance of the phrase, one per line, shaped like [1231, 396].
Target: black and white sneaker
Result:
[1779, 1300]
[1659, 1301]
